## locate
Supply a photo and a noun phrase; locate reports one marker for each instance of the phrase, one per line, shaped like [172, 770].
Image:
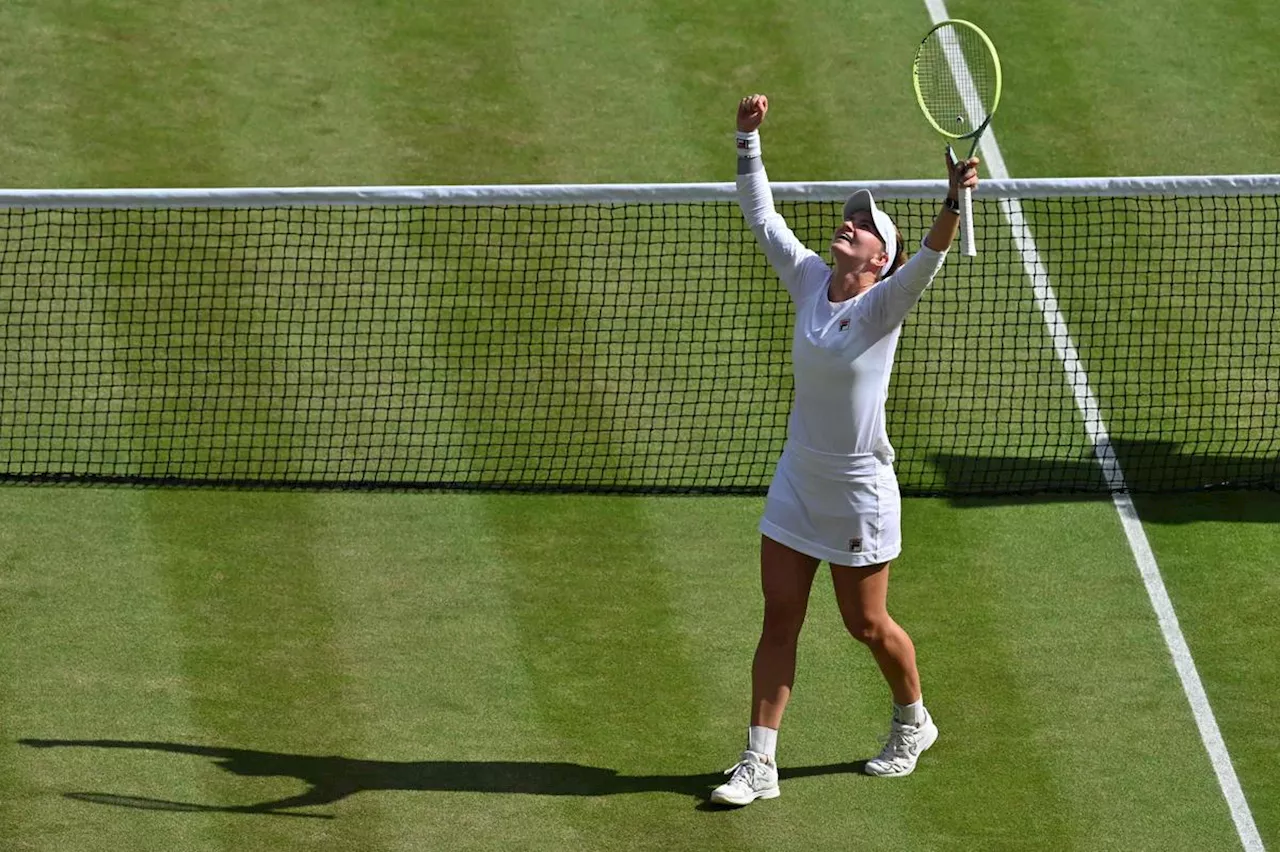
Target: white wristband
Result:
[749, 144]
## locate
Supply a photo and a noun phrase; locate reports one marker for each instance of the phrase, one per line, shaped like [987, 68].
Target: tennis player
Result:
[834, 495]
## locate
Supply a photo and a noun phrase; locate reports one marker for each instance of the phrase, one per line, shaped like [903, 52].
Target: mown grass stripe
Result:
[598, 96]
[131, 97]
[32, 95]
[1216, 555]
[306, 90]
[615, 683]
[1060, 664]
[459, 111]
[91, 652]
[435, 672]
[1130, 88]
[260, 647]
[842, 107]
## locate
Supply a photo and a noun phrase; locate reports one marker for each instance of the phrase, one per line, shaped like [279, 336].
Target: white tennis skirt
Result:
[845, 510]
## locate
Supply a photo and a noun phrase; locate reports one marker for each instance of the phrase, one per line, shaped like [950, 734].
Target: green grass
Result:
[1215, 555]
[408, 671]
[1134, 88]
[485, 671]
[158, 94]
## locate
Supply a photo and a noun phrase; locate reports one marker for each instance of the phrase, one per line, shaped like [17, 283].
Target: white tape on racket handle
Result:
[966, 223]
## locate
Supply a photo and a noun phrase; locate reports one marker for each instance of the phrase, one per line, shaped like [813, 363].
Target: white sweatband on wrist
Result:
[749, 144]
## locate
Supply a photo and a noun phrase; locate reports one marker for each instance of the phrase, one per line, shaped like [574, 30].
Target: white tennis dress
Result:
[834, 494]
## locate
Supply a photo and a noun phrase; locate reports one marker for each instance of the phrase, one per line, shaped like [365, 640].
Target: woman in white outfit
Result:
[834, 495]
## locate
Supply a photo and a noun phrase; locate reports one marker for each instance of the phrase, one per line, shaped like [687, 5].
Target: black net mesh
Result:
[622, 347]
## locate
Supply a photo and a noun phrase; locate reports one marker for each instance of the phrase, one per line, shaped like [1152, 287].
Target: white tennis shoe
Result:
[902, 748]
[755, 776]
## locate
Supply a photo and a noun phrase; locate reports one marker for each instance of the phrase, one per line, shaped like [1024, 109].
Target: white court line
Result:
[1096, 429]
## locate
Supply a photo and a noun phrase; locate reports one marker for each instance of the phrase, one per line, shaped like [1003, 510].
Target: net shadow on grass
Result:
[1149, 467]
[332, 778]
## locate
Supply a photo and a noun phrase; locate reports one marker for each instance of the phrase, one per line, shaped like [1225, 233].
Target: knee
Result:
[868, 631]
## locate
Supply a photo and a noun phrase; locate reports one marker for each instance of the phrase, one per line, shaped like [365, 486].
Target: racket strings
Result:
[957, 78]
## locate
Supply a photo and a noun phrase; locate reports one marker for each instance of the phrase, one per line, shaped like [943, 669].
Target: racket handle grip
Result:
[966, 223]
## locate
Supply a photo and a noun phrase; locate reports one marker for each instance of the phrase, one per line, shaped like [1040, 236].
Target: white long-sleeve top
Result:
[841, 352]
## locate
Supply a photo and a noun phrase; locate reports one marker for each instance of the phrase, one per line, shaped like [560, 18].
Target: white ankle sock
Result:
[762, 740]
[910, 714]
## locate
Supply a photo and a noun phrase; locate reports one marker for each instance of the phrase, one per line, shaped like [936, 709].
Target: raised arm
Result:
[786, 253]
[890, 302]
[959, 175]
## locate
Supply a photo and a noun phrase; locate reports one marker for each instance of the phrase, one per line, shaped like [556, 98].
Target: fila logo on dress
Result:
[844, 324]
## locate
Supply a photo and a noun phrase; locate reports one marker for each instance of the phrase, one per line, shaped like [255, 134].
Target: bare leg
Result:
[786, 577]
[862, 595]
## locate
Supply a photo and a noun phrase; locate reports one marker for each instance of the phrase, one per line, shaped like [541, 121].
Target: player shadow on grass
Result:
[333, 778]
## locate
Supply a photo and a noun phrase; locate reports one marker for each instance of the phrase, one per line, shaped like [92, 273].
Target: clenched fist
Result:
[751, 112]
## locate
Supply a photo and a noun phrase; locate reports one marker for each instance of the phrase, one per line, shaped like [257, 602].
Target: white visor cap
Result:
[862, 200]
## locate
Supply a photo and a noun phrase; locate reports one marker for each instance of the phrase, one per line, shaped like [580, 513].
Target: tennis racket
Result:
[956, 74]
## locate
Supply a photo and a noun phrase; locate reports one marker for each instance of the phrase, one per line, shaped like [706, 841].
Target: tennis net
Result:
[625, 338]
